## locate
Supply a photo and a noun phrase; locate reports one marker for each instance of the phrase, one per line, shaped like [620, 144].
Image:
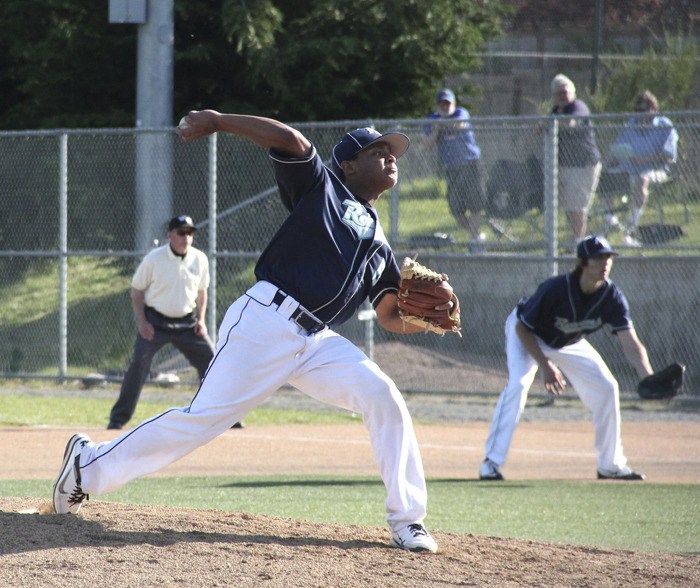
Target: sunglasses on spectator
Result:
[184, 232]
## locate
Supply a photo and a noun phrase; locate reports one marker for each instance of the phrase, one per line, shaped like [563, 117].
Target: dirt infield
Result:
[113, 544]
[664, 451]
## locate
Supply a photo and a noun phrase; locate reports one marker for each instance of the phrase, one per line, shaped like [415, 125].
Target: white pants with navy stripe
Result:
[258, 351]
[591, 379]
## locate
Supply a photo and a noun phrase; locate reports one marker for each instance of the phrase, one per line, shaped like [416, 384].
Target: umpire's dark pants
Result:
[198, 351]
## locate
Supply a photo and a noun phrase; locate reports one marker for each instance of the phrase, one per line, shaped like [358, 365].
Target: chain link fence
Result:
[81, 207]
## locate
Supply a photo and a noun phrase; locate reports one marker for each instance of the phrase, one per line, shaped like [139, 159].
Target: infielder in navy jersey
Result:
[329, 255]
[547, 332]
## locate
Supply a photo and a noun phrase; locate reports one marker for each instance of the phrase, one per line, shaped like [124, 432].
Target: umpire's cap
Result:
[593, 246]
[178, 222]
[355, 141]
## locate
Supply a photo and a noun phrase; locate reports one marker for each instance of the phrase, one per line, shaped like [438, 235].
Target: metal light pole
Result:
[597, 38]
[154, 109]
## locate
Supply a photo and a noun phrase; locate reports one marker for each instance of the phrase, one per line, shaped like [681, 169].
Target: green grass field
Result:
[639, 517]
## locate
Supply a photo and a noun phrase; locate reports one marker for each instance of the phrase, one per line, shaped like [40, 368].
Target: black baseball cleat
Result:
[112, 426]
[489, 471]
[625, 474]
[238, 425]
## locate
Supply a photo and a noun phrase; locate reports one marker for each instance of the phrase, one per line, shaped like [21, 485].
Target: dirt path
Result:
[664, 451]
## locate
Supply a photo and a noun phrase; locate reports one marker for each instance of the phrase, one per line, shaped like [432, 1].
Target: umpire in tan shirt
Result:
[169, 297]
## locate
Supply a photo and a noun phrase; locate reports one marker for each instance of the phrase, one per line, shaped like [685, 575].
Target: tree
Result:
[335, 60]
[66, 65]
[670, 71]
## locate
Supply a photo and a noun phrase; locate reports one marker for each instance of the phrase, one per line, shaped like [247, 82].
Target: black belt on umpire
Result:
[301, 316]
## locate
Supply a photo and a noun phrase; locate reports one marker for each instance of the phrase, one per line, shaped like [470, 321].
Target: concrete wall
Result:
[663, 293]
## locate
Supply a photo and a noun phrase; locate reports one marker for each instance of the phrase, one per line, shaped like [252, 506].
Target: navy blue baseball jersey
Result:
[560, 313]
[330, 253]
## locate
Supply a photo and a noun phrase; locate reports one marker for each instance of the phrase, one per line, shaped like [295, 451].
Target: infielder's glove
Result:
[420, 291]
[663, 384]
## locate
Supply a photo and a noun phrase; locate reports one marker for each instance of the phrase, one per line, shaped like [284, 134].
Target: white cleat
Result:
[414, 538]
[68, 496]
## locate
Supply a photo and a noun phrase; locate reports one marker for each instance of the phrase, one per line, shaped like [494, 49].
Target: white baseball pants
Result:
[258, 351]
[588, 374]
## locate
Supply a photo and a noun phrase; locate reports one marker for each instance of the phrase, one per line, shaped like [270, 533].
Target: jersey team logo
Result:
[567, 326]
[358, 219]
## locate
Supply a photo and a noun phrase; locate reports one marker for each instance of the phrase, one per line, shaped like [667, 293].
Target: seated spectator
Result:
[644, 149]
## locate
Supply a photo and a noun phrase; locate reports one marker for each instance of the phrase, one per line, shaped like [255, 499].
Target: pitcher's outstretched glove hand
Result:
[663, 384]
[421, 290]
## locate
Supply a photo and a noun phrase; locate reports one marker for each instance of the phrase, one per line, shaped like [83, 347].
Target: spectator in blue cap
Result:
[460, 160]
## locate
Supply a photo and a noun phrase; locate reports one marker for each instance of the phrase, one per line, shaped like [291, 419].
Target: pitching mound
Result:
[112, 544]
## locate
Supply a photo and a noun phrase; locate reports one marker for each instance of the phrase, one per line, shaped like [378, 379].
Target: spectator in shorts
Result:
[644, 149]
[579, 158]
[459, 155]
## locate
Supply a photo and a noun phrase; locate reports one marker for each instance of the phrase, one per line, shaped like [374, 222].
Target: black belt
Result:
[301, 316]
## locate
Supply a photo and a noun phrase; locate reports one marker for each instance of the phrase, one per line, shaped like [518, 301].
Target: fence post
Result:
[368, 315]
[212, 190]
[551, 193]
[63, 257]
[154, 185]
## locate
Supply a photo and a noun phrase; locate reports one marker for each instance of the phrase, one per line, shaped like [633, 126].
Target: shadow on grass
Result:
[304, 483]
[366, 482]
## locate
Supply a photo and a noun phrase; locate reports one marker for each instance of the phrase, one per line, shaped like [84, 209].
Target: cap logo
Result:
[182, 220]
[593, 247]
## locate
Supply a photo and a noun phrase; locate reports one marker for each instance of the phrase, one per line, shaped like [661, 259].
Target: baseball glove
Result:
[420, 291]
[663, 384]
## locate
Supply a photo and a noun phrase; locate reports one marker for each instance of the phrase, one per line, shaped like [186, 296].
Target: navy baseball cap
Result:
[178, 222]
[355, 141]
[446, 94]
[593, 246]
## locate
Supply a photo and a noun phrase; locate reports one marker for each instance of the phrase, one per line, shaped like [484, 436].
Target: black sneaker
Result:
[489, 471]
[625, 474]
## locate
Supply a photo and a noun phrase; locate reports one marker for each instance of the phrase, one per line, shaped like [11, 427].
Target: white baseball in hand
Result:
[183, 126]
